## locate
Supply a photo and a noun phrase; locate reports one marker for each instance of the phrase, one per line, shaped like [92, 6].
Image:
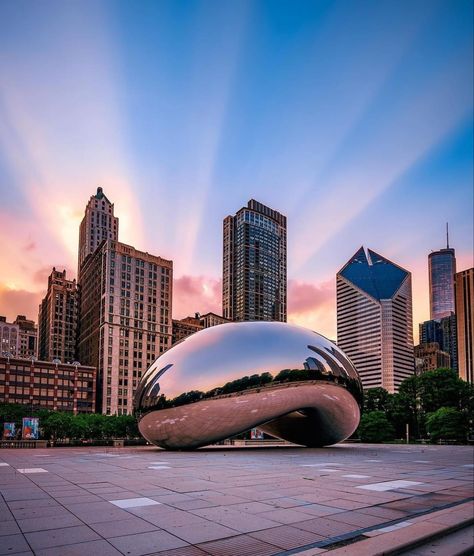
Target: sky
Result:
[355, 119]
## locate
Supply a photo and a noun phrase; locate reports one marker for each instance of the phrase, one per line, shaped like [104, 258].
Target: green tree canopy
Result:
[375, 427]
[447, 423]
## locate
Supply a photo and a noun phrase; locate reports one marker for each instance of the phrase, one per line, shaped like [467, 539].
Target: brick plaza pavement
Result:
[219, 501]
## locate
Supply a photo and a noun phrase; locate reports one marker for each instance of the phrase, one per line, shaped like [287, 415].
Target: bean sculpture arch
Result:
[288, 381]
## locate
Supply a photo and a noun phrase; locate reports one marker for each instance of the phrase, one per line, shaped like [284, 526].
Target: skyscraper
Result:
[465, 323]
[58, 319]
[99, 223]
[442, 268]
[374, 319]
[126, 301]
[443, 332]
[254, 264]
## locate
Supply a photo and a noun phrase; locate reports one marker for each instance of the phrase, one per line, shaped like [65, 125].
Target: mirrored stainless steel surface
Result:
[289, 381]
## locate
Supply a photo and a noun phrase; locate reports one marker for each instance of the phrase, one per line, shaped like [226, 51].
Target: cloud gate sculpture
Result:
[286, 380]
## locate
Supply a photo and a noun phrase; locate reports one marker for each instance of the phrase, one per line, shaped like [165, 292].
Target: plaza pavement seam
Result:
[326, 543]
[62, 506]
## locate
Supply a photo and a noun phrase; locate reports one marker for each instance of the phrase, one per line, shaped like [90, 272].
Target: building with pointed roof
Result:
[374, 319]
[99, 223]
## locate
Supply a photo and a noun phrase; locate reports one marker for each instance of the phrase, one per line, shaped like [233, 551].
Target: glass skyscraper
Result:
[254, 285]
[442, 268]
[374, 319]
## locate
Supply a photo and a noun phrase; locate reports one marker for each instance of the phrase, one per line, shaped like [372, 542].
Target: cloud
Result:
[313, 306]
[41, 275]
[19, 302]
[304, 297]
[193, 294]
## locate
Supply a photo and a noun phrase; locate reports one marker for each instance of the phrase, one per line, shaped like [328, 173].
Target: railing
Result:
[23, 443]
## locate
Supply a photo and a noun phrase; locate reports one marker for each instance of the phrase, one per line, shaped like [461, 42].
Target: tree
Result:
[443, 388]
[447, 423]
[375, 427]
[57, 426]
[376, 399]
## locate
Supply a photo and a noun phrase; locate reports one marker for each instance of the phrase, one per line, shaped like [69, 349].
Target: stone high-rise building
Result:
[442, 268]
[58, 319]
[254, 285]
[374, 319]
[126, 302]
[465, 323]
[99, 223]
[28, 337]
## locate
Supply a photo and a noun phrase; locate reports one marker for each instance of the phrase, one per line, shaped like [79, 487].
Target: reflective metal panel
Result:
[289, 381]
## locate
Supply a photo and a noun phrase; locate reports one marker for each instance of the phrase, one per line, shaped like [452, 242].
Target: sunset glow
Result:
[359, 129]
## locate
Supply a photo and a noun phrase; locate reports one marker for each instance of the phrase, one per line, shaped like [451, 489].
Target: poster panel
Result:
[30, 430]
[256, 434]
[8, 431]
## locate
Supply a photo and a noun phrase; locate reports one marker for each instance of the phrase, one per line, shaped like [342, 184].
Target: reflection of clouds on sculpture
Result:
[223, 380]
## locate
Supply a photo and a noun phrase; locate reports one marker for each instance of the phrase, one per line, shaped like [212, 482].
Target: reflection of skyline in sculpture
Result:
[285, 379]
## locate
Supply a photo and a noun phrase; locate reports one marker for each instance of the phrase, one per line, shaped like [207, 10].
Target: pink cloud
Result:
[313, 306]
[192, 294]
[40, 276]
[304, 297]
[19, 302]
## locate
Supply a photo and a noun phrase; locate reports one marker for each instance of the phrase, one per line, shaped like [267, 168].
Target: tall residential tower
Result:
[254, 265]
[442, 268]
[58, 319]
[126, 298]
[374, 319]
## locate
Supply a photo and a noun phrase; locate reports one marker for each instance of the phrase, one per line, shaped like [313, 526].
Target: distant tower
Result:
[374, 319]
[465, 323]
[58, 319]
[99, 223]
[442, 268]
[254, 264]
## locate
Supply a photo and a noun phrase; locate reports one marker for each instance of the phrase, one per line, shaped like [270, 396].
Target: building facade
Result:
[58, 319]
[211, 319]
[185, 327]
[428, 357]
[443, 332]
[99, 223]
[28, 337]
[465, 323]
[42, 384]
[189, 325]
[254, 285]
[9, 338]
[126, 303]
[374, 319]
[442, 268]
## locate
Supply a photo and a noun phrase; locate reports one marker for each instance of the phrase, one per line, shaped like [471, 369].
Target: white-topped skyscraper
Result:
[374, 319]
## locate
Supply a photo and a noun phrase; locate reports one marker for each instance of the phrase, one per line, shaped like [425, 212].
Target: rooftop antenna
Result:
[447, 236]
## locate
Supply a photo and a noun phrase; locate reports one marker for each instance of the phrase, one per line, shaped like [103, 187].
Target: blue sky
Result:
[353, 118]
